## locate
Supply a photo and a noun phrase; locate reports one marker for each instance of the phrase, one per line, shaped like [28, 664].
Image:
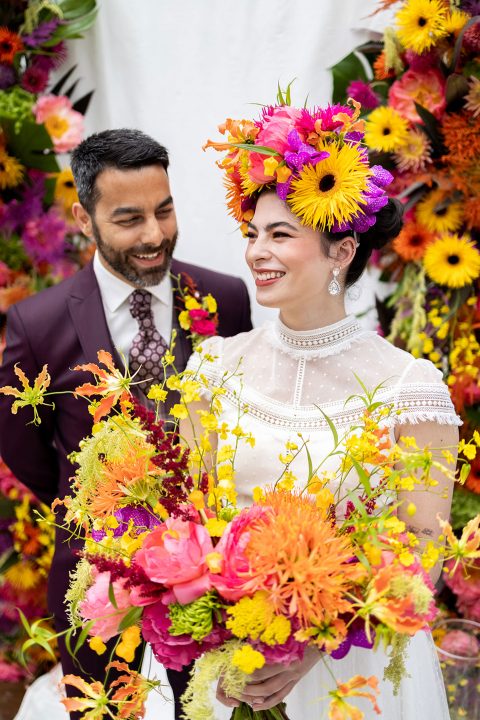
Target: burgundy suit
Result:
[64, 326]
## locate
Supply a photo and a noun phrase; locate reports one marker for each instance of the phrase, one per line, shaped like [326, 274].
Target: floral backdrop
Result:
[420, 93]
[40, 122]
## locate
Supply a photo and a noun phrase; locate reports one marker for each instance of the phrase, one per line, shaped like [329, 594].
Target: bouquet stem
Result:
[245, 712]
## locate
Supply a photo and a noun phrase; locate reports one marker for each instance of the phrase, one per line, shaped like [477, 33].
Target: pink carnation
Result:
[201, 323]
[174, 555]
[97, 604]
[427, 89]
[234, 580]
[63, 123]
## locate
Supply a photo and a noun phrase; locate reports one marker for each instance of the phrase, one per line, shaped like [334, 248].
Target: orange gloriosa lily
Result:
[30, 395]
[340, 709]
[111, 384]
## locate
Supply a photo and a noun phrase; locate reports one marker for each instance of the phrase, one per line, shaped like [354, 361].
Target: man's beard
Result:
[119, 260]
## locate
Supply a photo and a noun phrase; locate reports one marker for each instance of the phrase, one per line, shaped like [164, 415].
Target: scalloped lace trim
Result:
[323, 342]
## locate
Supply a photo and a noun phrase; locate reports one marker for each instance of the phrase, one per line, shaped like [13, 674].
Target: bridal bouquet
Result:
[170, 557]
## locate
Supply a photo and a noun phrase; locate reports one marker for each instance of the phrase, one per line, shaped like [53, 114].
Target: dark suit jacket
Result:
[64, 326]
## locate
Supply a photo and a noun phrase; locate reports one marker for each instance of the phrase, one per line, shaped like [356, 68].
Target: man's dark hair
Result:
[123, 149]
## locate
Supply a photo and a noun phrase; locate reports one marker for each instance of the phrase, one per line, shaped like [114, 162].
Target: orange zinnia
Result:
[301, 561]
[412, 242]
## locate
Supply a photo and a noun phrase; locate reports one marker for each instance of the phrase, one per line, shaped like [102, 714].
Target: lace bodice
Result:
[286, 380]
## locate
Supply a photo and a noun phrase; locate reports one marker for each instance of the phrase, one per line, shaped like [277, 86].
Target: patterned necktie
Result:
[148, 346]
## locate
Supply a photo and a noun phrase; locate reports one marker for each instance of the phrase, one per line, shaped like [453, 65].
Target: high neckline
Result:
[327, 340]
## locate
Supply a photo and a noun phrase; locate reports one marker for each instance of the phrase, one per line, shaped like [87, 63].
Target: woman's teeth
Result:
[269, 275]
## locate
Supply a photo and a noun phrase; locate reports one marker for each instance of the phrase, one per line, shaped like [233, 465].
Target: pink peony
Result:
[274, 134]
[174, 555]
[63, 124]
[427, 89]
[459, 642]
[97, 604]
[234, 581]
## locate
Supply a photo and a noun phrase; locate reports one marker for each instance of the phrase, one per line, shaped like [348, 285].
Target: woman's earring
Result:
[334, 286]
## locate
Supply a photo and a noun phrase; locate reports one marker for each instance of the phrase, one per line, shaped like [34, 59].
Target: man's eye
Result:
[164, 212]
[129, 221]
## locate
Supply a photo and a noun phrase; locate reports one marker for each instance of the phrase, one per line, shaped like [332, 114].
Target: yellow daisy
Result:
[452, 261]
[11, 171]
[438, 213]
[65, 190]
[421, 23]
[331, 191]
[455, 21]
[386, 130]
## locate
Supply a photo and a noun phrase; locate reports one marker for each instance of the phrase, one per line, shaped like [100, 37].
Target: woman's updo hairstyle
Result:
[387, 226]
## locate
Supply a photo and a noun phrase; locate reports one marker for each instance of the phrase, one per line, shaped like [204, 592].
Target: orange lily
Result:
[341, 710]
[112, 385]
[30, 395]
[467, 547]
[94, 704]
[131, 693]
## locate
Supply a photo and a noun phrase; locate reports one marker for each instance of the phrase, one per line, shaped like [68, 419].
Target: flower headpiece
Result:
[314, 159]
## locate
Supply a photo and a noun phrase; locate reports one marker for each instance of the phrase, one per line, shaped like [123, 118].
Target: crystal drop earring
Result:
[334, 286]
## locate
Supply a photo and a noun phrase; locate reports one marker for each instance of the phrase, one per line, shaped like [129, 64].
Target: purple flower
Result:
[41, 34]
[143, 519]
[44, 237]
[301, 154]
[356, 637]
[50, 62]
[374, 198]
[7, 76]
[34, 79]
[284, 188]
[363, 93]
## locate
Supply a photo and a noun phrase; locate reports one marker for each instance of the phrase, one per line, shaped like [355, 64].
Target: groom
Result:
[126, 206]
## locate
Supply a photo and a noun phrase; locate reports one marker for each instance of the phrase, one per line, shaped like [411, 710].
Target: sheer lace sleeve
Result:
[421, 396]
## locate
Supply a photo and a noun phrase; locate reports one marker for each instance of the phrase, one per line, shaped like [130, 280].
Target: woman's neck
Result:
[312, 318]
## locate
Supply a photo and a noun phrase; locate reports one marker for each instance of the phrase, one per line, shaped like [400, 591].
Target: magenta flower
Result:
[44, 237]
[363, 93]
[34, 79]
[201, 324]
[63, 124]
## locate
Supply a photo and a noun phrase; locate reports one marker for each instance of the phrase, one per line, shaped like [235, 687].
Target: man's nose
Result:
[154, 233]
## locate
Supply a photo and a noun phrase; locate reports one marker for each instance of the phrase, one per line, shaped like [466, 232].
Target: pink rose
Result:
[234, 581]
[174, 555]
[459, 642]
[97, 604]
[63, 124]
[425, 88]
[274, 134]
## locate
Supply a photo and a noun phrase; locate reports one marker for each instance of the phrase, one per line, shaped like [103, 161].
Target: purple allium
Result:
[7, 76]
[34, 79]
[41, 34]
[44, 237]
[363, 93]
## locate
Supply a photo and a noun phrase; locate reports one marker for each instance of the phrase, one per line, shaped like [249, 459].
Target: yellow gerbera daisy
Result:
[386, 130]
[331, 191]
[421, 23]
[65, 190]
[414, 156]
[438, 213]
[452, 261]
[455, 21]
[11, 171]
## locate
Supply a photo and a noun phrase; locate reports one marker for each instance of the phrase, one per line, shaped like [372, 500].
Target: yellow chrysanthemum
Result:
[421, 23]
[414, 156]
[437, 213]
[455, 21]
[386, 130]
[11, 171]
[65, 190]
[452, 261]
[331, 191]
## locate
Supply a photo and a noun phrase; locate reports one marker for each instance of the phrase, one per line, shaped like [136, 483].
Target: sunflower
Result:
[330, 192]
[386, 130]
[10, 45]
[412, 242]
[438, 213]
[421, 23]
[452, 261]
[473, 96]
[11, 171]
[65, 190]
[414, 156]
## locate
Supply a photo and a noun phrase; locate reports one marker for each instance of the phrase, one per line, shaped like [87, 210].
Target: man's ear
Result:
[83, 219]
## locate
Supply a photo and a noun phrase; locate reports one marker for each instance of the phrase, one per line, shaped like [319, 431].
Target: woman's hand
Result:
[270, 685]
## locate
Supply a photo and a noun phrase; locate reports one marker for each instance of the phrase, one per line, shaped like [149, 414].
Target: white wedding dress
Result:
[285, 378]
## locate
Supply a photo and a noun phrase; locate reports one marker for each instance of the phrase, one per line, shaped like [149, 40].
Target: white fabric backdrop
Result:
[178, 68]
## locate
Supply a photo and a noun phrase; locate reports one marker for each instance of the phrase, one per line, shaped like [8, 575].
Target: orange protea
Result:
[116, 480]
[341, 710]
[112, 385]
[300, 561]
[412, 241]
[473, 480]
[10, 44]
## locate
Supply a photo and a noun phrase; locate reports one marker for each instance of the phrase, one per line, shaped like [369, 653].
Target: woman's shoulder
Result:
[400, 364]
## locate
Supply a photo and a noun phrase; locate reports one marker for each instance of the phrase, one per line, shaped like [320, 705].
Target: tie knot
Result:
[141, 305]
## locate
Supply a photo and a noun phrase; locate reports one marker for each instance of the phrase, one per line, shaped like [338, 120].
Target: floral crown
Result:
[314, 159]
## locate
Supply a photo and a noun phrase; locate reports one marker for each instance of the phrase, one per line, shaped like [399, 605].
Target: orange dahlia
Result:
[412, 241]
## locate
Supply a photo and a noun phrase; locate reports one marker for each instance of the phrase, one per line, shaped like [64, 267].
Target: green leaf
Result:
[330, 424]
[464, 472]
[32, 146]
[74, 29]
[82, 104]
[456, 88]
[57, 88]
[131, 618]
[75, 8]
[83, 636]
[261, 149]
[362, 476]
[24, 622]
[348, 69]
[9, 559]
[111, 596]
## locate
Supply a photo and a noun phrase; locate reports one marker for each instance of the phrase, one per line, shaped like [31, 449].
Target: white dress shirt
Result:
[116, 303]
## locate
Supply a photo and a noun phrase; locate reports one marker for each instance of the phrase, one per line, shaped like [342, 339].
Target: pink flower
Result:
[5, 274]
[459, 642]
[234, 581]
[34, 79]
[363, 93]
[63, 124]
[97, 604]
[44, 237]
[466, 585]
[174, 555]
[10, 672]
[426, 88]
[204, 327]
[276, 125]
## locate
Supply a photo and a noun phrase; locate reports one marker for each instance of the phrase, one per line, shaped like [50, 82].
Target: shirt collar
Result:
[115, 291]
